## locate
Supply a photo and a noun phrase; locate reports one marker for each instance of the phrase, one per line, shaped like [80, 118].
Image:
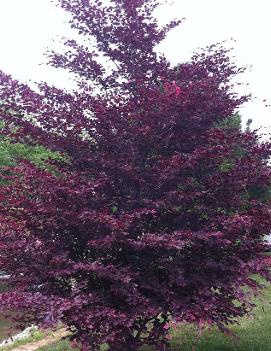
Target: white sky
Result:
[28, 27]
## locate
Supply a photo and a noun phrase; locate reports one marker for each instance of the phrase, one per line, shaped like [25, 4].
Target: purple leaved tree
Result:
[159, 210]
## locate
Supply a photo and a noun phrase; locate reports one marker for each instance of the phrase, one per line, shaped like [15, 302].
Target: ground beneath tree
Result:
[34, 346]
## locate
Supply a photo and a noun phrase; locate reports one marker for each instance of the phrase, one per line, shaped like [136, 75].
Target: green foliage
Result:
[239, 152]
[226, 166]
[114, 209]
[259, 192]
[10, 152]
[232, 122]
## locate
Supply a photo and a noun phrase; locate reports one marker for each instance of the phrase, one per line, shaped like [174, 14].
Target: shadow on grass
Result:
[253, 332]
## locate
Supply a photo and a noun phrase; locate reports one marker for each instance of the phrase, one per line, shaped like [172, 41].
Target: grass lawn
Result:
[254, 334]
[35, 336]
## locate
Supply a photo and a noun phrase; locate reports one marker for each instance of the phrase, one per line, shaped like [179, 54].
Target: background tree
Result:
[11, 153]
[153, 218]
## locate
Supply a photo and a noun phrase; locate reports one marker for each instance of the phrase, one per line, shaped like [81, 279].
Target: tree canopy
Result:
[155, 217]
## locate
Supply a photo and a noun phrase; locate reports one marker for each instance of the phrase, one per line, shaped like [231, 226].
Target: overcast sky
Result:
[28, 27]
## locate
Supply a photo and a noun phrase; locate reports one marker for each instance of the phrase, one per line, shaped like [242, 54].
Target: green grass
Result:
[36, 335]
[11, 152]
[253, 332]
[63, 345]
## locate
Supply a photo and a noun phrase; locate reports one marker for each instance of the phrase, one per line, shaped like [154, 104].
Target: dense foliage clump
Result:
[160, 213]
